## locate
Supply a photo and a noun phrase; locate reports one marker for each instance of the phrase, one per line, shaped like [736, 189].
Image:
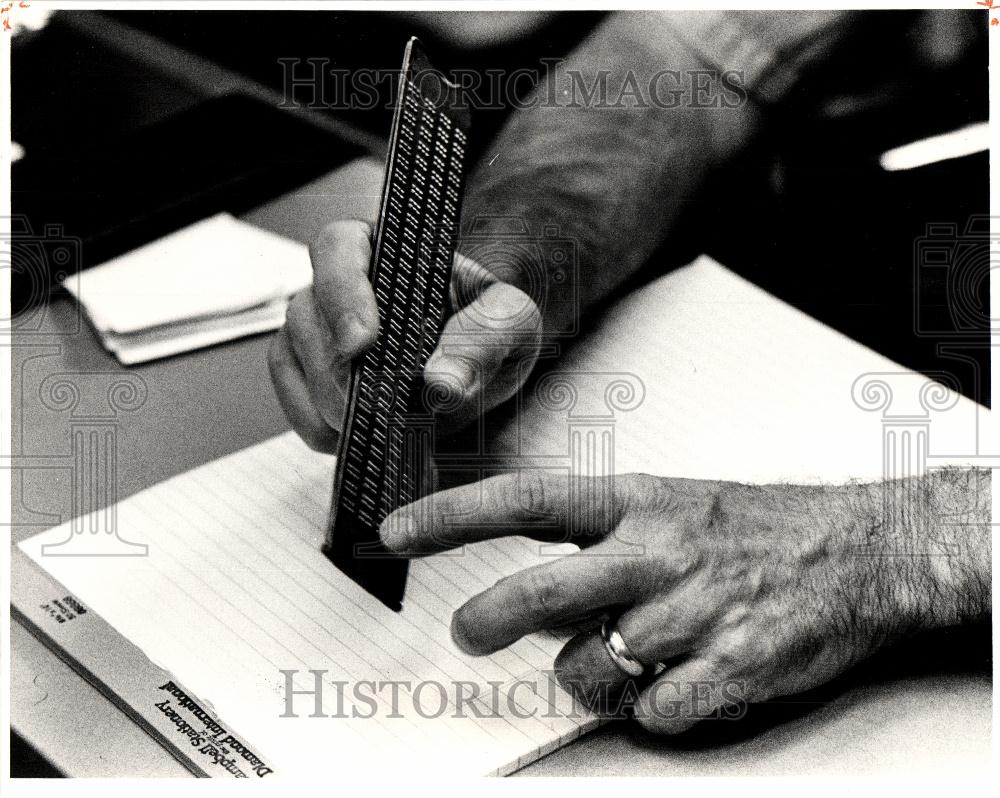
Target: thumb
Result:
[486, 351]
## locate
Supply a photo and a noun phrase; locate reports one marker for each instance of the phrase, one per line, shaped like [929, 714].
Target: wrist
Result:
[926, 545]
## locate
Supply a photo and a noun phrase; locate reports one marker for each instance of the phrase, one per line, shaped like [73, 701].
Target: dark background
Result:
[113, 99]
[185, 105]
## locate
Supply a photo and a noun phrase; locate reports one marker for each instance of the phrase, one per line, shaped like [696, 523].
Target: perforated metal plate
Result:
[384, 458]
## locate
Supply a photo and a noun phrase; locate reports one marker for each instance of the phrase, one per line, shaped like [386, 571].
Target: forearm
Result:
[612, 180]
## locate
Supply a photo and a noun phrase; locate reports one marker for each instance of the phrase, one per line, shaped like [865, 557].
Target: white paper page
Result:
[736, 385]
[141, 347]
[234, 589]
[216, 266]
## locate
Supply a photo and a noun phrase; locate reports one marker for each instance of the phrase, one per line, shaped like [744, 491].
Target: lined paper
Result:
[734, 385]
[739, 385]
[234, 590]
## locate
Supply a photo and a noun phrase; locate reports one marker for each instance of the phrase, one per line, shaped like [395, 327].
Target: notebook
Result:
[698, 374]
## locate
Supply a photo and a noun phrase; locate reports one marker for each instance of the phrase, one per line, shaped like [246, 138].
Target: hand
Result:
[487, 347]
[744, 593]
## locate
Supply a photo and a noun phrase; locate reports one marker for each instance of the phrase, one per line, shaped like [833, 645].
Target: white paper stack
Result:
[214, 281]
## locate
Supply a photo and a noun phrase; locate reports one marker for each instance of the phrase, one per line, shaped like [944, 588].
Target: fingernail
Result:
[351, 332]
[397, 532]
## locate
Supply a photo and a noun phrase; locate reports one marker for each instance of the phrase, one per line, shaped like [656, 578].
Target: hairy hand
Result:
[742, 593]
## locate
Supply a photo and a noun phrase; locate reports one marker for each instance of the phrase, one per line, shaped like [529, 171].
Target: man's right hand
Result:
[487, 349]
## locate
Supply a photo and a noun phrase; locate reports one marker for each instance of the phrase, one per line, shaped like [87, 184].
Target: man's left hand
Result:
[775, 588]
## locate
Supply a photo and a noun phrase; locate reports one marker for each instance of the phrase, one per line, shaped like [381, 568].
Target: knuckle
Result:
[642, 492]
[714, 515]
[468, 281]
[530, 491]
[324, 241]
[334, 232]
[734, 648]
[541, 592]
[643, 485]
[350, 231]
[334, 235]
[354, 229]
[297, 315]
[276, 361]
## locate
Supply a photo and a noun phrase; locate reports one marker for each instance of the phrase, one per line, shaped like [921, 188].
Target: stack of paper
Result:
[214, 281]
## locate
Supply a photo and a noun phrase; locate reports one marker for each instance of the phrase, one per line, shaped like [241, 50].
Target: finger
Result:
[468, 281]
[293, 396]
[693, 691]
[656, 630]
[486, 351]
[326, 367]
[585, 669]
[543, 597]
[529, 502]
[340, 257]
[674, 622]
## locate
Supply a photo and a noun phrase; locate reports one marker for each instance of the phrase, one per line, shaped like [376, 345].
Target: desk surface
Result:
[205, 404]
